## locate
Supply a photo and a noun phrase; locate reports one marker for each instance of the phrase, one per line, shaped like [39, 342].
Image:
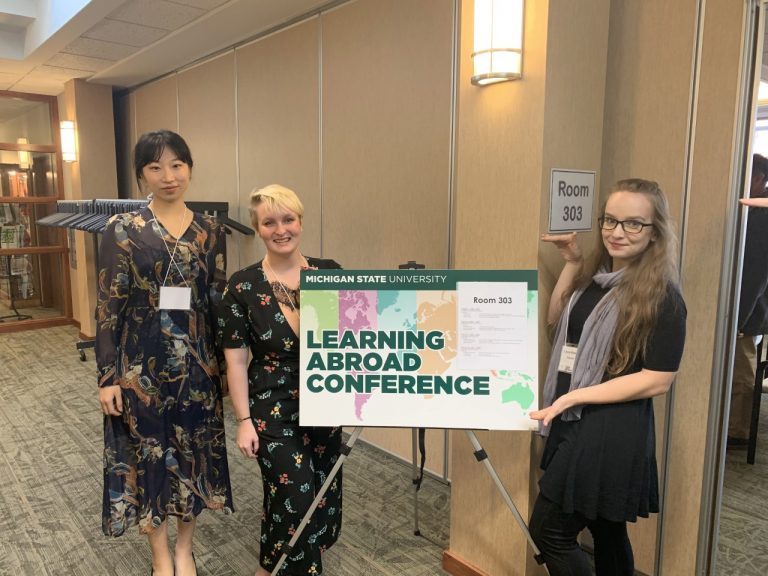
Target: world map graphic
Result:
[409, 310]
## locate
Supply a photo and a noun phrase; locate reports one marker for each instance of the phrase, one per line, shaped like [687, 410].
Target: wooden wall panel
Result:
[386, 121]
[207, 121]
[279, 127]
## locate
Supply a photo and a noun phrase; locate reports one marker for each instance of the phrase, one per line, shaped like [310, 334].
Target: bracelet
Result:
[243, 419]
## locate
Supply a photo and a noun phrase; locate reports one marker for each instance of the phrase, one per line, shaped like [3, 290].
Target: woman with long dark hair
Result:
[619, 340]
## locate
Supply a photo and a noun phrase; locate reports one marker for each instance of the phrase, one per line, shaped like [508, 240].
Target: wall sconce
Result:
[23, 154]
[68, 144]
[498, 54]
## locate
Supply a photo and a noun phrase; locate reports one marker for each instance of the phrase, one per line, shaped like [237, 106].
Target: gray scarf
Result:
[594, 345]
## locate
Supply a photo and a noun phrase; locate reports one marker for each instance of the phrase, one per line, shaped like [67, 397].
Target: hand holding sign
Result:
[566, 244]
[570, 201]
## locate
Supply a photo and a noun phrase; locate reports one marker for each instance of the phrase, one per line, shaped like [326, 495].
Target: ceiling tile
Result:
[125, 33]
[203, 4]
[55, 73]
[8, 80]
[99, 49]
[76, 62]
[42, 86]
[156, 14]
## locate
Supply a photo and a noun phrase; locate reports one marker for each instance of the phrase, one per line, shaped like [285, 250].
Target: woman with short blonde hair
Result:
[260, 312]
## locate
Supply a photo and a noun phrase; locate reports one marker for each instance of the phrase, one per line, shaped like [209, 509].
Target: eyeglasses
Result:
[629, 226]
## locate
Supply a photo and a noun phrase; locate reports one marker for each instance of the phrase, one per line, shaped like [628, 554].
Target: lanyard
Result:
[568, 317]
[175, 246]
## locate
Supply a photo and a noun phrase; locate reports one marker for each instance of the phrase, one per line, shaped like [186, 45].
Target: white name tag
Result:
[175, 298]
[567, 358]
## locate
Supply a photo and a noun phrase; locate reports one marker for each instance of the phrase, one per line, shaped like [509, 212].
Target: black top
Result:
[250, 317]
[753, 300]
[604, 465]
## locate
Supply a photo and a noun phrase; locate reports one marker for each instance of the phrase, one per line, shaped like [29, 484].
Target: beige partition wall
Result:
[93, 175]
[278, 125]
[153, 106]
[157, 106]
[386, 125]
[499, 167]
[646, 136]
[650, 132]
[386, 69]
[510, 137]
[206, 97]
[711, 203]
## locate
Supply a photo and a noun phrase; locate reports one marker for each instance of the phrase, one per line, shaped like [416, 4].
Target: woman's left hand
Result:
[757, 202]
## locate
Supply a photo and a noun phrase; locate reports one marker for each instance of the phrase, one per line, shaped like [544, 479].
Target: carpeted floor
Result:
[743, 544]
[51, 485]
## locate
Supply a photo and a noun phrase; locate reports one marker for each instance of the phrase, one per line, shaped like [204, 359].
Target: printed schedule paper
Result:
[492, 325]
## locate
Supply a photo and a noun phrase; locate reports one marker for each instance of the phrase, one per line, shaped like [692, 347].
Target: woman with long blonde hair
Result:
[618, 343]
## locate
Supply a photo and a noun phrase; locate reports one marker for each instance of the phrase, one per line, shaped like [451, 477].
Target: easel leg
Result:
[415, 470]
[344, 451]
[482, 457]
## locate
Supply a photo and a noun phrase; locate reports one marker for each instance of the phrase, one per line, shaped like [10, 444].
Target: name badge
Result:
[175, 298]
[567, 358]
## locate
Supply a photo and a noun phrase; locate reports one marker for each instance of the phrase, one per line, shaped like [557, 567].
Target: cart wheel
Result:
[82, 355]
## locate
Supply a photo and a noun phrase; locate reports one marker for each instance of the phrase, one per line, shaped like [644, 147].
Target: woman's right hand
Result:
[247, 438]
[566, 244]
[111, 400]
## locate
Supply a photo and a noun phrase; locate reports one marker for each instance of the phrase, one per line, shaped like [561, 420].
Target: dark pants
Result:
[556, 532]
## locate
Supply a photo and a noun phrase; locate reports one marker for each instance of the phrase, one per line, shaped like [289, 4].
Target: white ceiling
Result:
[44, 43]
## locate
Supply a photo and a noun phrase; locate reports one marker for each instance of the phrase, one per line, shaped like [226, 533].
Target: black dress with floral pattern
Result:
[165, 455]
[294, 460]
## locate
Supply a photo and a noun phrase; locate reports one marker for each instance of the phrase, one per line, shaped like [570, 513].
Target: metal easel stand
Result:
[417, 438]
[482, 457]
[344, 451]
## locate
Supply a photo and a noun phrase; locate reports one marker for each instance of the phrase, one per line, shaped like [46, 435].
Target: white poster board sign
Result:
[419, 348]
[570, 200]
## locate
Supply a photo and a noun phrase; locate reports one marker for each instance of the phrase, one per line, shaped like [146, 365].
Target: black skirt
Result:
[604, 465]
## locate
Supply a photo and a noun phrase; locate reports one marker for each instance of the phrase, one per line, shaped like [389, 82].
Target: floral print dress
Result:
[294, 460]
[165, 455]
